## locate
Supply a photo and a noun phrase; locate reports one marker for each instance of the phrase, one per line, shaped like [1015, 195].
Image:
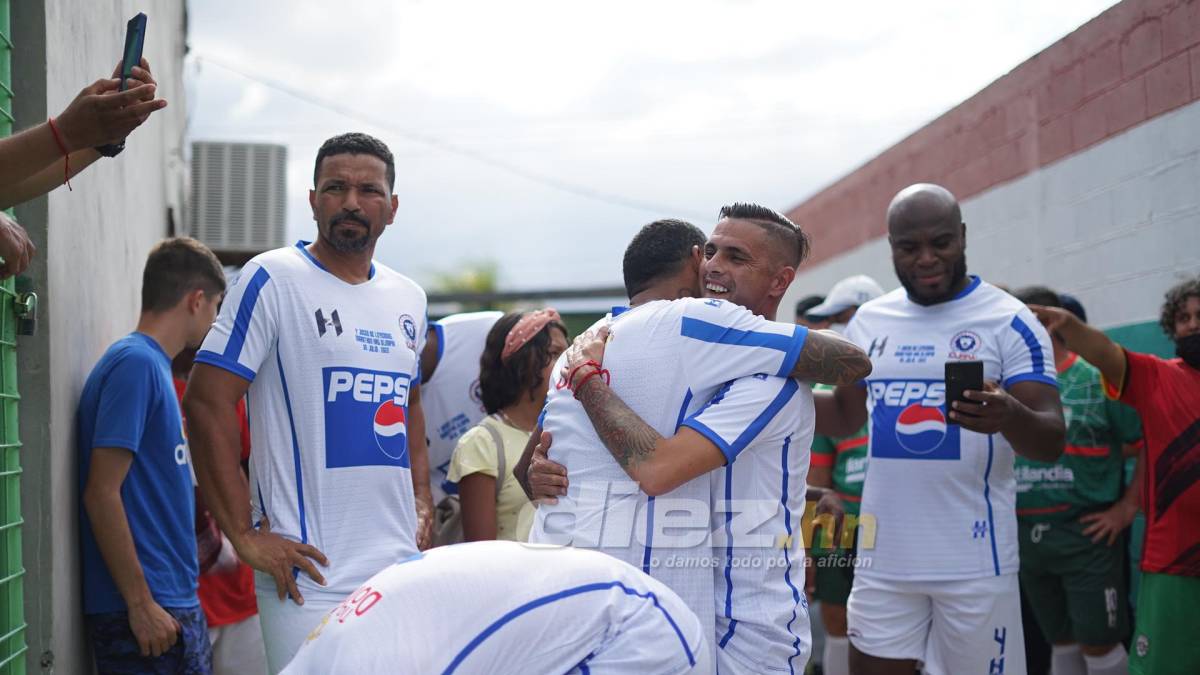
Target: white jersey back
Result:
[764, 427]
[666, 359]
[330, 366]
[499, 607]
[943, 499]
[450, 399]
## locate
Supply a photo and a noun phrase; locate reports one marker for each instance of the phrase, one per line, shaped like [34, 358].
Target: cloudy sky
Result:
[542, 135]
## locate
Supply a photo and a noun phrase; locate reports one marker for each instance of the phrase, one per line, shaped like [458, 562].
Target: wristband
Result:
[571, 373]
[62, 148]
[579, 387]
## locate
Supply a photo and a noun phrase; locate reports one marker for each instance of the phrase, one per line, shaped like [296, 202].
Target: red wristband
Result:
[594, 373]
[571, 374]
[62, 148]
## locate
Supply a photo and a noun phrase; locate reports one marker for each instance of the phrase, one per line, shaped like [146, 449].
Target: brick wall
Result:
[1136, 61]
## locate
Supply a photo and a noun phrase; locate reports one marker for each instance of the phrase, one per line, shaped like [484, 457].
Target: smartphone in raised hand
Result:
[961, 376]
[135, 37]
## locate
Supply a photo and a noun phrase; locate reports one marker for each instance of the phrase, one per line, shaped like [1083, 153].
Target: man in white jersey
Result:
[476, 608]
[693, 347]
[325, 344]
[450, 387]
[938, 584]
[760, 429]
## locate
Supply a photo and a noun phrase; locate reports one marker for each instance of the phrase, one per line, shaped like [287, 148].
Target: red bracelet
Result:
[571, 374]
[66, 155]
[594, 373]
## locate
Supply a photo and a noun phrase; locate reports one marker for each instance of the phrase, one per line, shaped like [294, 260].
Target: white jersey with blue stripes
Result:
[331, 365]
[500, 608]
[764, 427]
[666, 359]
[939, 502]
[450, 399]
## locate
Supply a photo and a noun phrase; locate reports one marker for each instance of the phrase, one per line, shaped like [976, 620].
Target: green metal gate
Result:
[12, 600]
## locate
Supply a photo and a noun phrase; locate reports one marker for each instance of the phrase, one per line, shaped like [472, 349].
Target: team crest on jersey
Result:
[908, 421]
[366, 418]
[964, 345]
[409, 326]
[476, 393]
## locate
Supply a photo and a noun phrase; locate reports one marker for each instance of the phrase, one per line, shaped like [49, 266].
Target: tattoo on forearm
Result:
[628, 438]
[831, 360]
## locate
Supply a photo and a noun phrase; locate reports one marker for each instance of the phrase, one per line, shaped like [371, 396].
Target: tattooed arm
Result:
[829, 358]
[658, 464]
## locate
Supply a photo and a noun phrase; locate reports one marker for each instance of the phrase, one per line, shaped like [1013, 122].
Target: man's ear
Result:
[783, 280]
[395, 207]
[195, 299]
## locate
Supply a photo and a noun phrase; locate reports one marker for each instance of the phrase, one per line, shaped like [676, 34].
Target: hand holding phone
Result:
[135, 38]
[961, 376]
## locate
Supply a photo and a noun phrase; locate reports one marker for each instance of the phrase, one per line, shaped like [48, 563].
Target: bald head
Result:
[929, 241]
[922, 204]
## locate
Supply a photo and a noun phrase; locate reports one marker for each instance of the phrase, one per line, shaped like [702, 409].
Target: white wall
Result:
[92, 245]
[1115, 225]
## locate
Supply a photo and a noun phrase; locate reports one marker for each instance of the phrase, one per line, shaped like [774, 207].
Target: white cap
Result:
[849, 292]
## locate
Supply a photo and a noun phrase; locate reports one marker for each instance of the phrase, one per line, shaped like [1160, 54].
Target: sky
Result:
[543, 135]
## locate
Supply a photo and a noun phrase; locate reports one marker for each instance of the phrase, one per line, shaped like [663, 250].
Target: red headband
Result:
[525, 329]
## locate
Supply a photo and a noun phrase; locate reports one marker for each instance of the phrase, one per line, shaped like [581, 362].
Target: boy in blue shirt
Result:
[138, 523]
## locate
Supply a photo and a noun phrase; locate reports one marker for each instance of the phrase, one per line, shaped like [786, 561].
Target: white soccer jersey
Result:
[942, 498]
[450, 399]
[330, 366]
[666, 359]
[764, 427]
[500, 607]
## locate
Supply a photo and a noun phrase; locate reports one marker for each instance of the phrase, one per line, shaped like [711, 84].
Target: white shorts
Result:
[960, 626]
[237, 648]
[285, 624]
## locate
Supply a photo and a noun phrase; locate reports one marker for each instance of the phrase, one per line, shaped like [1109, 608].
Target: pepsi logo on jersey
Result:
[909, 421]
[365, 418]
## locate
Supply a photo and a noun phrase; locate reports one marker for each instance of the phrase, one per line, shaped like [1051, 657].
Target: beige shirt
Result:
[476, 453]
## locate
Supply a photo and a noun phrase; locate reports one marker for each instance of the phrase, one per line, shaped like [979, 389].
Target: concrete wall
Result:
[1116, 225]
[1079, 170]
[92, 244]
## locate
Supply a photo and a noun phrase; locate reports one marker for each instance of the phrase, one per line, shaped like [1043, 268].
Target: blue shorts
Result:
[117, 651]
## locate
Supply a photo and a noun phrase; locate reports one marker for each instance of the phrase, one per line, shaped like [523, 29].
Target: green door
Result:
[12, 601]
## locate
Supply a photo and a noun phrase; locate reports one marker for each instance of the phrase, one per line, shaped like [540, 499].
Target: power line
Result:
[451, 148]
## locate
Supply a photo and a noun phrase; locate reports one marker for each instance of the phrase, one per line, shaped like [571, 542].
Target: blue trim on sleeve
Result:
[1031, 377]
[1035, 348]
[215, 359]
[705, 431]
[728, 556]
[987, 498]
[799, 337]
[710, 332]
[241, 323]
[541, 423]
[561, 595]
[787, 572]
[618, 310]
[440, 331]
[732, 450]
[287, 400]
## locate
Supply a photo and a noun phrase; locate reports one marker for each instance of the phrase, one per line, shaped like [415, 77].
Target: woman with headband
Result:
[514, 373]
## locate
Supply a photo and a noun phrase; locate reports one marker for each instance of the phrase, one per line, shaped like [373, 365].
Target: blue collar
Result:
[313, 259]
[618, 310]
[975, 281]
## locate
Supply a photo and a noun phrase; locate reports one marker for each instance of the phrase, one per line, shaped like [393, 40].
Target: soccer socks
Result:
[1115, 662]
[836, 657]
[1067, 660]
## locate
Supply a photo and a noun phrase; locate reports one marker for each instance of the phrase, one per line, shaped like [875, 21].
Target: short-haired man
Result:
[840, 464]
[1070, 514]
[1166, 395]
[326, 343]
[137, 527]
[764, 421]
[803, 305]
[939, 585]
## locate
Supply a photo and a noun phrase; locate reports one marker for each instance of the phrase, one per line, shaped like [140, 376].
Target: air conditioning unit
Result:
[239, 197]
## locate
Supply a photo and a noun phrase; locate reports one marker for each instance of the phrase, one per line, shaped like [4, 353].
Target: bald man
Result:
[937, 583]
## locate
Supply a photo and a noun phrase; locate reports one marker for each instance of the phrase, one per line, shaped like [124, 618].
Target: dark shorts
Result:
[834, 576]
[117, 651]
[1076, 588]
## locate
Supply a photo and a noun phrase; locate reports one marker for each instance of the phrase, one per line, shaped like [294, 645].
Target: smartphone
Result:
[135, 37]
[961, 376]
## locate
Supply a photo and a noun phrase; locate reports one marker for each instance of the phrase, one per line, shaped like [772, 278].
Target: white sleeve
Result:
[1026, 352]
[722, 341]
[246, 328]
[740, 410]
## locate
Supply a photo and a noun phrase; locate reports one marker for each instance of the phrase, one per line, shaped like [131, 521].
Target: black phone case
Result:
[961, 376]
